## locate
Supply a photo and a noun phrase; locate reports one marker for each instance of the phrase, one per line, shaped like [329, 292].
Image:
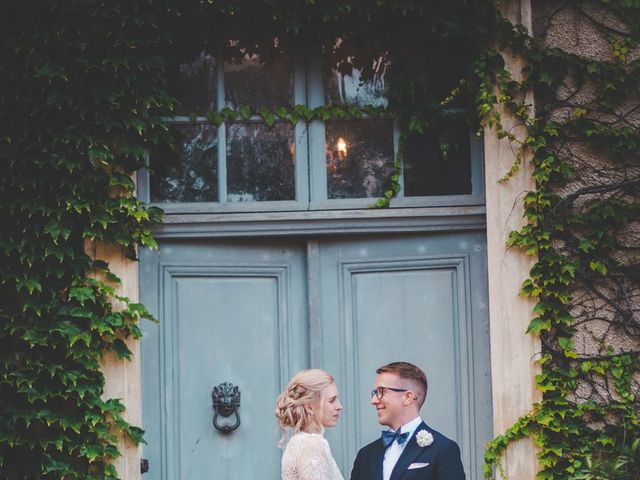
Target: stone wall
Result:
[606, 309]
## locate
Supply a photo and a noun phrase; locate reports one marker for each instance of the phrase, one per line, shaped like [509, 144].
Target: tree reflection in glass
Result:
[438, 165]
[189, 173]
[258, 72]
[356, 74]
[359, 157]
[260, 162]
[193, 80]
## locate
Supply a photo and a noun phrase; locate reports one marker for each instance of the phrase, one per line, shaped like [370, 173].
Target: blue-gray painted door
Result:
[252, 312]
[233, 313]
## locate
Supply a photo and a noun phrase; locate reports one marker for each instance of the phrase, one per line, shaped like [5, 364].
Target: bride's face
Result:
[329, 406]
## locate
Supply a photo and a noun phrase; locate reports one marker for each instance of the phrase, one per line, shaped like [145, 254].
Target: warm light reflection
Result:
[341, 148]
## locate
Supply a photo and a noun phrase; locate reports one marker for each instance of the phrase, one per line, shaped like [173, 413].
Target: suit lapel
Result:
[376, 464]
[409, 454]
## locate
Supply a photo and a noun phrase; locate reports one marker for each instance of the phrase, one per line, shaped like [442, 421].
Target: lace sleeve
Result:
[315, 462]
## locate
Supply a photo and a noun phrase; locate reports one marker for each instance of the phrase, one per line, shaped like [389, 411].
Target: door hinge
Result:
[144, 465]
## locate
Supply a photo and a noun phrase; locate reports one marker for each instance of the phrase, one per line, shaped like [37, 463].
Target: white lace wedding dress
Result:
[307, 456]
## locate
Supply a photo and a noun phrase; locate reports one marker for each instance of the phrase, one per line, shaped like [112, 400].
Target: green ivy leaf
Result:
[245, 112]
[538, 325]
[31, 284]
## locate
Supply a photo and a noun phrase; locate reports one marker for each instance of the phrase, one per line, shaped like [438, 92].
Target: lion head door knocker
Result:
[226, 401]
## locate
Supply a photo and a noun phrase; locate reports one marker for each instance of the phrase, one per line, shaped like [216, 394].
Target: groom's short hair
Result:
[408, 371]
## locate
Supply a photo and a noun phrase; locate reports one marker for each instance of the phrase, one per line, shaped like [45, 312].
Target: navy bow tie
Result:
[389, 436]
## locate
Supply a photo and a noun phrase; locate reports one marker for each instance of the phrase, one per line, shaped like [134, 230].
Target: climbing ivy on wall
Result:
[583, 224]
[80, 91]
[83, 97]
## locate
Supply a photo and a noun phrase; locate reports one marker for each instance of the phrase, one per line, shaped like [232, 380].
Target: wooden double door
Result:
[252, 312]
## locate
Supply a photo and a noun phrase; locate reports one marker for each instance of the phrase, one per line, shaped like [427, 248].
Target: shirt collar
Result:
[411, 426]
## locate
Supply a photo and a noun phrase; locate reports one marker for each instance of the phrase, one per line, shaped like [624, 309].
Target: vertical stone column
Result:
[513, 352]
[122, 377]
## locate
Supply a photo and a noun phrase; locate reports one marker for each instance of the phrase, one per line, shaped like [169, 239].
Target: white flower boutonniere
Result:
[424, 438]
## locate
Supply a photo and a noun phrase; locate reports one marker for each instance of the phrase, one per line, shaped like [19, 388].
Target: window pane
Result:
[355, 74]
[192, 80]
[189, 174]
[359, 157]
[428, 171]
[258, 73]
[425, 71]
[260, 162]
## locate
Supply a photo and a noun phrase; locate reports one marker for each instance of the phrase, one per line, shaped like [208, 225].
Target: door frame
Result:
[513, 352]
[161, 273]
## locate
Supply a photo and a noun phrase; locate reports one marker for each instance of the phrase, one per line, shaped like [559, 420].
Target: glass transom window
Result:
[260, 160]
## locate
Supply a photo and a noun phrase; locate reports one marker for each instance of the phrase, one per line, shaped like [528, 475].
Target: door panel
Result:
[420, 299]
[254, 312]
[204, 308]
[229, 314]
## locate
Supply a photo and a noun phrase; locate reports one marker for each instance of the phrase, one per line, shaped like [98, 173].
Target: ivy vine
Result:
[583, 221]
[293, 114]
[80, 94]
[84, 99]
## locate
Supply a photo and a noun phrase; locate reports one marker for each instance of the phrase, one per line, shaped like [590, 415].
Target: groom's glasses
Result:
[379, 392]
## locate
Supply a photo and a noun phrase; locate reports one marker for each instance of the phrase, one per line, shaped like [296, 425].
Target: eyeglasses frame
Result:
[381, 389]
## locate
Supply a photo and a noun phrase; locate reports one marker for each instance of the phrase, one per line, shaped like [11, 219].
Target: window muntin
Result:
[257, 169]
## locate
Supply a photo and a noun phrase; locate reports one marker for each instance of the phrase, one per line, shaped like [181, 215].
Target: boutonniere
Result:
[424, 438]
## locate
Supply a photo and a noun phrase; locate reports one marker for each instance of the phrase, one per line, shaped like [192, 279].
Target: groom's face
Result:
[390, 408]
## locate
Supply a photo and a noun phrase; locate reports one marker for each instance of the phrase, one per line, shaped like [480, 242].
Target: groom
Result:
[411, 449]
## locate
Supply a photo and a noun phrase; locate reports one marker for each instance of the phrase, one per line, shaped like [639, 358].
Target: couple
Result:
[410, 450]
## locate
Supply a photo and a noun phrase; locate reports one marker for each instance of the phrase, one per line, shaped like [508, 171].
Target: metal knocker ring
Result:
[226, 401]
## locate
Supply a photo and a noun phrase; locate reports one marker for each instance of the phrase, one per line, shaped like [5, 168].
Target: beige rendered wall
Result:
[122, 378]
[513, 352]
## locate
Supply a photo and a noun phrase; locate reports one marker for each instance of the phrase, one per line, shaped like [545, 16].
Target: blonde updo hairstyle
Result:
[304, 388]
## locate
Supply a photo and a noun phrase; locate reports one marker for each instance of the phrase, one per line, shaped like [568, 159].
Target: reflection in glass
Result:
[426, 69]
[260, 162]
[193, 79]
[189, 174]
[355, 74]
[359, 157]
[258, 72]
[427, 171]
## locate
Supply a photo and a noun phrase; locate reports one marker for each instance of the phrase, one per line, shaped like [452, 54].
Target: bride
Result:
[308, 405]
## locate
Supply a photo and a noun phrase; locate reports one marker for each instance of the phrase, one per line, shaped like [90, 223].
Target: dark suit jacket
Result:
[442, 456]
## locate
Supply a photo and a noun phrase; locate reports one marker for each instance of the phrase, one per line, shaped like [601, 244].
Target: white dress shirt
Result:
[393, 451]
